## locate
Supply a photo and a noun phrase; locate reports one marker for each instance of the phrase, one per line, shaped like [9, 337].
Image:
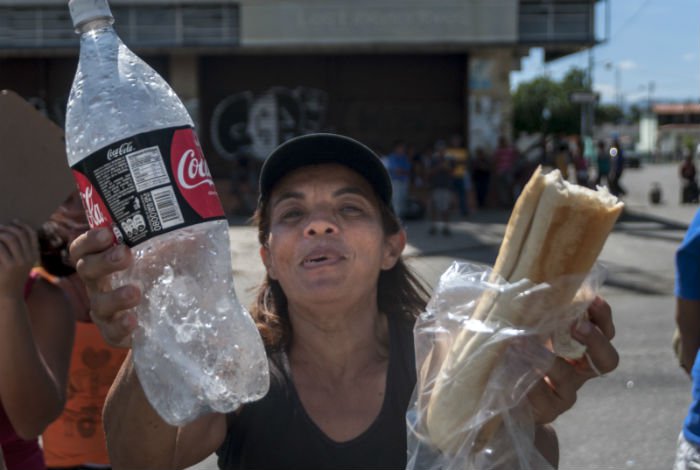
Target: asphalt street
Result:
[629, 419]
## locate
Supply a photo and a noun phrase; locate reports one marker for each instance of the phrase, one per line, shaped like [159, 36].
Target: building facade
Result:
[254, 73]
[677, 127]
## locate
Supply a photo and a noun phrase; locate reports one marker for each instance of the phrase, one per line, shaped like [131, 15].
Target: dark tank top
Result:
[276, 433]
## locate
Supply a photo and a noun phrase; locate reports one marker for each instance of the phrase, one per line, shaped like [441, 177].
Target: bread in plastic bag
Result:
[483, 420]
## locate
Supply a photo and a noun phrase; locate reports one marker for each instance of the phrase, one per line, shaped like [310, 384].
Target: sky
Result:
[652, 50]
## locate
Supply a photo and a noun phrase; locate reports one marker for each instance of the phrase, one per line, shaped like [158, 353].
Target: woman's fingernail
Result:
[127, 293]
[116, 254]
[128, 321]
[104, 235]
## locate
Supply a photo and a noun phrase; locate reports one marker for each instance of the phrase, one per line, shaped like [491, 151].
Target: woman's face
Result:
[326, 242]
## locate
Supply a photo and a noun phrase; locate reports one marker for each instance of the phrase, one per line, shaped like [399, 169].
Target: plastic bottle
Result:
[140, 170]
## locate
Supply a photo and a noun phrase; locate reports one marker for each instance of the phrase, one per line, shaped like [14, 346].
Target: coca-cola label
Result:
[148, 184]
[192, 174]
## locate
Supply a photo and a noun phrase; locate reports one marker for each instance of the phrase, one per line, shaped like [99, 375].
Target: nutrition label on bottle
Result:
[148, 184]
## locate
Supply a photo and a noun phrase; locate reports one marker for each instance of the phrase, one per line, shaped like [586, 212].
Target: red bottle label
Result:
[148, 184]
[95, 208]
[192, 175]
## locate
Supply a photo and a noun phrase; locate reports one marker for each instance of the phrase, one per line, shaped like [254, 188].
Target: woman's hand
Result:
[19, 252]
[95, 258]
[556, 392]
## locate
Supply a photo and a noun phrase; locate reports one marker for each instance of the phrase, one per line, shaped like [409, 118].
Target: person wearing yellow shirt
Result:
[461, 182]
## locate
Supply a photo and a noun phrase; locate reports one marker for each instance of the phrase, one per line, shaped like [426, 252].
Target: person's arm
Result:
[688, 321]
[137, 438]
[36, 337]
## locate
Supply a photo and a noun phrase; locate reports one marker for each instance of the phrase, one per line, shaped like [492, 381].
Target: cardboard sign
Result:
[34, 173]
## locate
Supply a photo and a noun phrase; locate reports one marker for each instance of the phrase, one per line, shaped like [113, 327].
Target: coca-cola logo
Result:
[192, 170]
[92, 209]
[95, 209]
[192, 174]
[123, 149]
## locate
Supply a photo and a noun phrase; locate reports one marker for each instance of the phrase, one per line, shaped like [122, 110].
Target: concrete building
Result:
[256, 72]
[677, 129]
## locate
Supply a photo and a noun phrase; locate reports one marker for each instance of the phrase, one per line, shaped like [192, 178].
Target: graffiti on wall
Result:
[481, 73]
[485, 108]
[485, 117]
[243, 123]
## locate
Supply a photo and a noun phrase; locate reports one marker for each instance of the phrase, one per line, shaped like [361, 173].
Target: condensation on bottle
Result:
[132, 147]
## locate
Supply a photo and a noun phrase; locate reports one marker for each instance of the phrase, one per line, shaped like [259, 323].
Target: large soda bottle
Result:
[140, 170]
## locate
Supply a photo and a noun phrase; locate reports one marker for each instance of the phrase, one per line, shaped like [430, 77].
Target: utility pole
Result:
[590, 107]
[618, 86]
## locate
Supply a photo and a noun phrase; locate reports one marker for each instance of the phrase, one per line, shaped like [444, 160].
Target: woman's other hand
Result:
[557, 391]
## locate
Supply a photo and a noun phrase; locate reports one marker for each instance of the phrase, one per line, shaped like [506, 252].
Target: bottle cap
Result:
[87, 10]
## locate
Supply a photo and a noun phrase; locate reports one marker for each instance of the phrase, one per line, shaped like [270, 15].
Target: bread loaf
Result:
[556, 229]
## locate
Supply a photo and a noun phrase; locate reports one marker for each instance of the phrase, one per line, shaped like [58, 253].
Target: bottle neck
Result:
[92, 25]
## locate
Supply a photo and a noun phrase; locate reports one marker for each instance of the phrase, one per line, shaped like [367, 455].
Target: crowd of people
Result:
[445, 181]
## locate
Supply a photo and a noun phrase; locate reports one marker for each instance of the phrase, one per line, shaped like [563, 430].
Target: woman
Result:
[36, 335]
[335, 311]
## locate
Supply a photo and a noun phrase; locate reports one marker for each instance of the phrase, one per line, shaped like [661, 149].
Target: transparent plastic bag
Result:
[509, 351]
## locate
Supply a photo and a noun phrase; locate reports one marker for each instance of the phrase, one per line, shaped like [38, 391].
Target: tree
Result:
[532, 98]
[608, 113]
[635, 113]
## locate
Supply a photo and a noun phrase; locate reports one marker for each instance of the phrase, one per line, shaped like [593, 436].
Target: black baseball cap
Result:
[315, 149]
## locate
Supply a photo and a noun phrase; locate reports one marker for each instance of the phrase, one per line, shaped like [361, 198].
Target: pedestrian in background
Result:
[399, 167]
[562, 158]
[505, 159]
[420, 184]
[602, 164]
[481, 174]
[689, 182]
[457, 153]
[580, 164]
[618, 166]
[441, 190]
[687, 293]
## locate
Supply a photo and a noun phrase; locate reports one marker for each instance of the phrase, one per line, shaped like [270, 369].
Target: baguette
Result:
[556, 229]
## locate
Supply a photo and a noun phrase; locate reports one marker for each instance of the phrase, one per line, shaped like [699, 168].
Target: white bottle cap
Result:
[87, 10]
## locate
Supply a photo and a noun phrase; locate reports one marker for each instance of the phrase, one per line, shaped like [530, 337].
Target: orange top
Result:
[77, 436]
